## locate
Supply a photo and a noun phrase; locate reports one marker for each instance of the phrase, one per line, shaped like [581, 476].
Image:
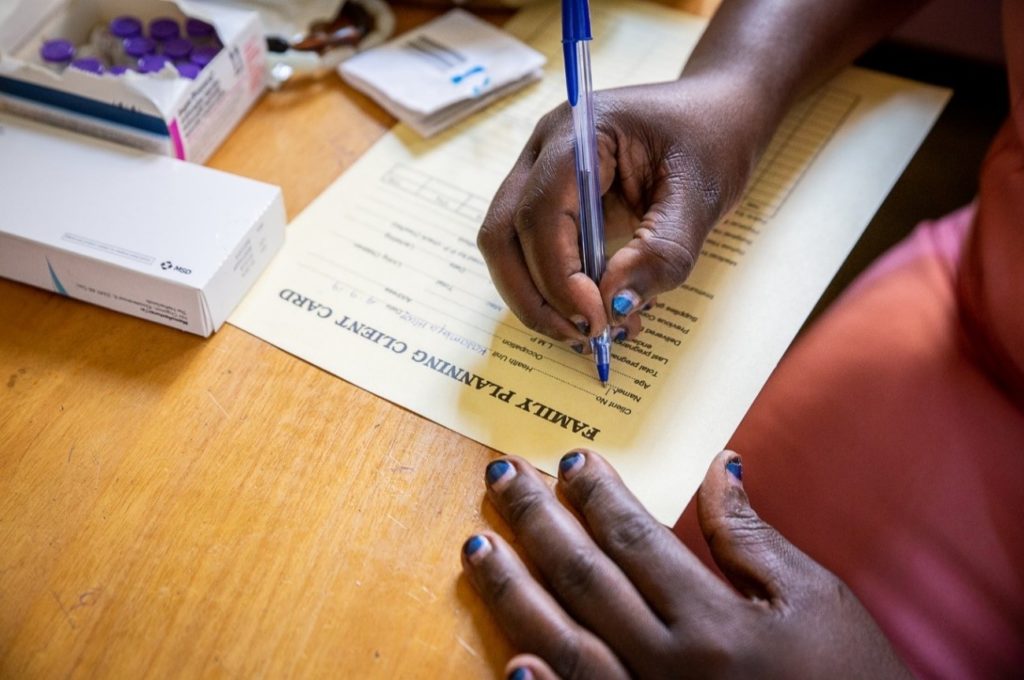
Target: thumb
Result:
[755, 558]
[659, 257]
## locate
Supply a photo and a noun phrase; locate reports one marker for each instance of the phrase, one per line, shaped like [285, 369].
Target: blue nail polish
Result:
[496, 470]
[577, 347]
[520, 674]
[622, 304]
[583, 327]
[569, 461]
[620, 335]
[473, 544]
[735, 468]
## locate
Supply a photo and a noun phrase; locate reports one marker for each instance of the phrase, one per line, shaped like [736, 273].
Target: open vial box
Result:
[168, 77]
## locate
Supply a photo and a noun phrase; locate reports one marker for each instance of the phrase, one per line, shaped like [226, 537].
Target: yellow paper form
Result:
[380, 281]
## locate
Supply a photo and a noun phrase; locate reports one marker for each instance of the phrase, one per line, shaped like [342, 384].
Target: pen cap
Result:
[575, 27]
[575, 20]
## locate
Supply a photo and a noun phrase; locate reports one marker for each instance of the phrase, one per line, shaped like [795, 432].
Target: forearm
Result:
[770, 52]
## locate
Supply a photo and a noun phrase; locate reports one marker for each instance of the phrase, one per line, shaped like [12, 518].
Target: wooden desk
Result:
[171, 505]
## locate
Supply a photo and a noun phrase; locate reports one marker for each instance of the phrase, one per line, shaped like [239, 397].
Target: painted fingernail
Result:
[476, 548]
[620, 335]
[735, 468]
[499, 473]
[582, 325]
[520, 673]
[577, 347]
[624, 302]
[570, 464]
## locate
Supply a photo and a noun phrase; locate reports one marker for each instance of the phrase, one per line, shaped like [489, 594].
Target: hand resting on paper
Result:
[673, 157]
[625, 598]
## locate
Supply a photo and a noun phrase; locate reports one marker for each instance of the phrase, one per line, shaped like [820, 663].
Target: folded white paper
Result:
[443, 71]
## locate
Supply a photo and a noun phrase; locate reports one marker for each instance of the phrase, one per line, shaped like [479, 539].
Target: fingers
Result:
[750, 553]
[546, 222]
[530, 239]
[531, 617]
[669, 577]
[502, 250]
[589, 584]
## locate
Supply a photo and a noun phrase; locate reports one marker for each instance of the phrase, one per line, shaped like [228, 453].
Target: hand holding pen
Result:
[671, 159]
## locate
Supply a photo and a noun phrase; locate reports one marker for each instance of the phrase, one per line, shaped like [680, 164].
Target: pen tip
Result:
[602, 373]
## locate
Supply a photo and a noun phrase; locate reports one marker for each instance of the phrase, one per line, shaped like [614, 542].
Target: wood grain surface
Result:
[178, 506]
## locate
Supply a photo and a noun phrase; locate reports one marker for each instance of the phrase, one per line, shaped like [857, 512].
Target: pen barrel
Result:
[591, 213]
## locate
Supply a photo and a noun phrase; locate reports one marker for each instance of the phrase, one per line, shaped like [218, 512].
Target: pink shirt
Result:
[889, 443]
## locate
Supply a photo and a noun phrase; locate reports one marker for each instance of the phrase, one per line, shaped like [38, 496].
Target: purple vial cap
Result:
[125, 27]
[57, 51]
[139, 47]
[177, 49]
[202, 56]
[194, 28]
[89, 64]
[186, 69]
[164, 29]
[118, 70]
[152, 63]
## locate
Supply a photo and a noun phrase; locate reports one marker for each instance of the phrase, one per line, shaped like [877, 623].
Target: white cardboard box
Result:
[160, 113]
[142, 234]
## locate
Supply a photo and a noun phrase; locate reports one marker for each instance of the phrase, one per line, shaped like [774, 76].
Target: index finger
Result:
[500, 245]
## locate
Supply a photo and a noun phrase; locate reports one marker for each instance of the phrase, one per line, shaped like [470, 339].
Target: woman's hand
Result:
[625, 598]
[673, 158]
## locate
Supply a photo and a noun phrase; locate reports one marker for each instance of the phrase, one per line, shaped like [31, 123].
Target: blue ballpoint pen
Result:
[575, 37]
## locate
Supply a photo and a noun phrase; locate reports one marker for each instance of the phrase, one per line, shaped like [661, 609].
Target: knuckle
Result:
[738, 528]
[525, 217]
[589, 490]
[488, 238]
[672, 260]
[632, 531]
[575, 575]
[498, 585]
[532, 320]
[524, 505]
[567, 655]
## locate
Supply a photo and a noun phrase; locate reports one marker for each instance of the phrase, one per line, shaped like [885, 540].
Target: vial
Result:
[109, 38]
[186, 69]
[57, 54]
[89, 65]
[177, 49]
[201, 33]
[152, 63]
[202, 56]
[164, 29]
[135, 49]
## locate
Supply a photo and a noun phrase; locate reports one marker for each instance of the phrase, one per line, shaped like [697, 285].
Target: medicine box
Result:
[161, 112]
[151, 236]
